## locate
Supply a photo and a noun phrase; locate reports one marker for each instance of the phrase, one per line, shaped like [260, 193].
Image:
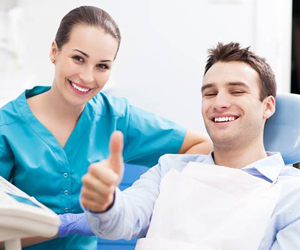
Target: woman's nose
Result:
[86, 75]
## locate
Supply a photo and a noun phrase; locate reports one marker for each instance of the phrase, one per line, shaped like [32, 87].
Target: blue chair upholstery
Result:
[282, 130]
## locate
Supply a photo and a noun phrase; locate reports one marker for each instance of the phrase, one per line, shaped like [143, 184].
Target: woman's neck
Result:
[53, 103]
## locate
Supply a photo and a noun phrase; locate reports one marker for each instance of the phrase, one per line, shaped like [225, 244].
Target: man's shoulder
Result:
[287, 208]
[289, 179]
[291, 174]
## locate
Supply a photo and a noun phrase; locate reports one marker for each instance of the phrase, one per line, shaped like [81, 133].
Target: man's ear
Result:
[269, 107]
[53, 51]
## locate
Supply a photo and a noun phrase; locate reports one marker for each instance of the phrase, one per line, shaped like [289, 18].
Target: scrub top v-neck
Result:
[34, 161]
[46, 135]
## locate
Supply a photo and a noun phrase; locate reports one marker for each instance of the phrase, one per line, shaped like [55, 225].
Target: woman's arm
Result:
[148, 137]
[69, 224]
[30, 241]
[195, 143]
[35, 240]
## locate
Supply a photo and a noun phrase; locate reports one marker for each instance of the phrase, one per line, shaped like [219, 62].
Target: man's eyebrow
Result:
[210, 85]
[206, 86]
[242, 84]
[86, 55]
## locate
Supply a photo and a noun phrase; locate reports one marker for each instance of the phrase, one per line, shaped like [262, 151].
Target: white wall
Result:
[163, 51]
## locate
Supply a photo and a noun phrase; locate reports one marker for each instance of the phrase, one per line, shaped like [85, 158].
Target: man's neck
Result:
[238, 158]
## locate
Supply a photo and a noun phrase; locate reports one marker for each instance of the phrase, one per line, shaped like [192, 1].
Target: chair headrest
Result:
[282, 130]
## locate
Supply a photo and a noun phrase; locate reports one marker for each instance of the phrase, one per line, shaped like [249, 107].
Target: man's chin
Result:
[224, 141]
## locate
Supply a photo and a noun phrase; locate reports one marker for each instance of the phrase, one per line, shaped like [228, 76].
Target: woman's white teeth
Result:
[224, 119]
[79, 88]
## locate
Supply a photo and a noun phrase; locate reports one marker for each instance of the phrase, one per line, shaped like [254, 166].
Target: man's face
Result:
[233, 114]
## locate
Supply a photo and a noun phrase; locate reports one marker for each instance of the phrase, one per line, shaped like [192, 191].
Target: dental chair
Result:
[282, 133]
[282, 130]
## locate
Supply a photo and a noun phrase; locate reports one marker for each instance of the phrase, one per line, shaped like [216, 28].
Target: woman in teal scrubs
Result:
[50, 135]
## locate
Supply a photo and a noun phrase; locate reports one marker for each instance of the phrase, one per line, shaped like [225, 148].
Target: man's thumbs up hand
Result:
[99, 184]
[116, 158]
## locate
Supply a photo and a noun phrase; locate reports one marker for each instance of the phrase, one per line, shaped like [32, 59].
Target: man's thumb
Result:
[116, 149]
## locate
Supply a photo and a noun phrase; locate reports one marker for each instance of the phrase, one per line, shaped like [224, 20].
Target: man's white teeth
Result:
[79, 88]
[224, 119]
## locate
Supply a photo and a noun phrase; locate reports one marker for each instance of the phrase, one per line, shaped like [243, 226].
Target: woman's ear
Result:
[53, 52]
[269, 106]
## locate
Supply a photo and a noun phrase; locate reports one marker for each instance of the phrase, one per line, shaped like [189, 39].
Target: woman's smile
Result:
[79, 88]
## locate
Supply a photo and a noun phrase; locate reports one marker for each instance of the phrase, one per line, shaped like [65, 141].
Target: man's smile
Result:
[220, 119]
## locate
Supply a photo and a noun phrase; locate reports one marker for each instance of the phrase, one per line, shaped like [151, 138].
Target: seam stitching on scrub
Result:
[7, 124]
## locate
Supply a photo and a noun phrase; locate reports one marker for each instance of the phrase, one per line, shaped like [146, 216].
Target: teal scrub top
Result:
[34, 161]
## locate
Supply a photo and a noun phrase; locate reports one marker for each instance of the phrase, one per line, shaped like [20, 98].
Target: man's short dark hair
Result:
[233, 52]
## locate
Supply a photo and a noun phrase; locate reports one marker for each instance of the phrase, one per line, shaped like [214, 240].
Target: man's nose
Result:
[222, 101]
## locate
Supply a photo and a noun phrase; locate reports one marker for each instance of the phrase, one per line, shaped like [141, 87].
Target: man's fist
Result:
[99, 184]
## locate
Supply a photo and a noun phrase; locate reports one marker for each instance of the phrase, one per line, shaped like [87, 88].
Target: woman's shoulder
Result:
[13, 110]
[9, 114]
[108, 105]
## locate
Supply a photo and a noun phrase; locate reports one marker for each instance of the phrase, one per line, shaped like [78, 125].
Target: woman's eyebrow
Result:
[106, 61]
[85, 54]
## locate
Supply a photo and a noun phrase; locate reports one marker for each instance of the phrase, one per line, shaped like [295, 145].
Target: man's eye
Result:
[78, 58]
[237, 92]
[102, 66]
[209, 94]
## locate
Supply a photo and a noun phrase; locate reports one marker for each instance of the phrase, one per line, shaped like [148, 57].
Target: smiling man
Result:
[237, 197]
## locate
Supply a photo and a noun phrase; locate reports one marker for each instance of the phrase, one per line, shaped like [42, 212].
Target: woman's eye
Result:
[102, 66]
[78, 58]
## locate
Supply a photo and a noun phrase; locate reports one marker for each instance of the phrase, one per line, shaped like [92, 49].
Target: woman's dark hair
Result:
[233, 52]
[89, 15]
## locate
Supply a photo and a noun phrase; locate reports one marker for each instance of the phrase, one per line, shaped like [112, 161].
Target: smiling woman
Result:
[83, 64]
[49, 136]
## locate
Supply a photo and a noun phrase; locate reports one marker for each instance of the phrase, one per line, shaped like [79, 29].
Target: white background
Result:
[163, 49]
